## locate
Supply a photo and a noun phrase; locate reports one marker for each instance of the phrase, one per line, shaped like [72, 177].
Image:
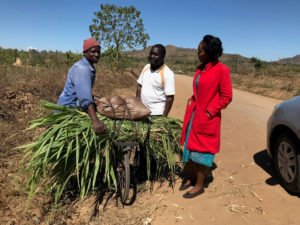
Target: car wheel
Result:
[287, 162]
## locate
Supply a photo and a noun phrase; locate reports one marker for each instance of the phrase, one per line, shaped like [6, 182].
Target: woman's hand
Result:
[209, 115]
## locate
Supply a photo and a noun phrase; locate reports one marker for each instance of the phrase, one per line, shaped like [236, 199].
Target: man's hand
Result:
[168, 106]
[138, 90]
[98, 126]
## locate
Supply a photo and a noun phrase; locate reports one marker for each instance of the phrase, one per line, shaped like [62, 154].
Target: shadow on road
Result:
[263, 160]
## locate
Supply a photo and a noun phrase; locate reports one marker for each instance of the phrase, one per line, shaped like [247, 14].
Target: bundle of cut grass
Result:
[68, 149]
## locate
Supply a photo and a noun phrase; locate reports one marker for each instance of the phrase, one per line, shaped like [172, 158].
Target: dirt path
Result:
[244, 190]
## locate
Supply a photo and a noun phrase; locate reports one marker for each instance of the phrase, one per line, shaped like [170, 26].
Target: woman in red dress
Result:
[212, 92]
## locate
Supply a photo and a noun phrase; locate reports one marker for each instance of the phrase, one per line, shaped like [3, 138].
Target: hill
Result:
[190, 54]
[185, 54]
[293, 60]
[184, 61]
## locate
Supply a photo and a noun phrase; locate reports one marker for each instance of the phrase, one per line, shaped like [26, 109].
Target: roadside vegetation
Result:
[22, 88]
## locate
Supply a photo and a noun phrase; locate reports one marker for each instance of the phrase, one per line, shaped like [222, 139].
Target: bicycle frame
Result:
[126, 156]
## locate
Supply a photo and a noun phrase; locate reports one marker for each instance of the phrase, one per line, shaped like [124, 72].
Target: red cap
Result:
[89, 43]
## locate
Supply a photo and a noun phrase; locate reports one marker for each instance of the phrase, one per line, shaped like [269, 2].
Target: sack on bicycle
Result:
[117, 107]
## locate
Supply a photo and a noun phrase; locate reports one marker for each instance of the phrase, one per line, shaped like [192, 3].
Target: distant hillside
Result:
[180, 60]
[184, 60]
[171, 51]
[186, 54]
[293, 60]
[190, 54]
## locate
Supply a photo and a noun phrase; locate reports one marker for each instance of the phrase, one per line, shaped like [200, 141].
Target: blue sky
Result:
[267, 29]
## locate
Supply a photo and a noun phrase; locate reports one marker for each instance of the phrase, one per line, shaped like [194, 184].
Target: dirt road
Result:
[244, 190]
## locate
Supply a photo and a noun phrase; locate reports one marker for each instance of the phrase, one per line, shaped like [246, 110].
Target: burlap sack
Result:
[116, 107]
[113, 107]
[135, 108]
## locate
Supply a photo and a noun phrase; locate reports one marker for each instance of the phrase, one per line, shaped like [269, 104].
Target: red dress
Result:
[214, 94]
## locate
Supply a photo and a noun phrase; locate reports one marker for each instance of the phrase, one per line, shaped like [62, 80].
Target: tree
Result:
[71, 57]
[119, 28]
[257, 64]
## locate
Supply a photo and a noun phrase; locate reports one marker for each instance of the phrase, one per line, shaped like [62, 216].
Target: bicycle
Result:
[127, 158]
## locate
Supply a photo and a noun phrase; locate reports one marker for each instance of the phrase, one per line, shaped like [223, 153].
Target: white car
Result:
[283, 143]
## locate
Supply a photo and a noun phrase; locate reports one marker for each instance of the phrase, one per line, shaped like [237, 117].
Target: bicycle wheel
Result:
[123, 169]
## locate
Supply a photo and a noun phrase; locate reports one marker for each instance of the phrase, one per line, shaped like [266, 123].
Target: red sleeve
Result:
[225, 93]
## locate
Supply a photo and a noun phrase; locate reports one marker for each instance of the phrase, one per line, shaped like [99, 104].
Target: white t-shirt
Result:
[153, 92]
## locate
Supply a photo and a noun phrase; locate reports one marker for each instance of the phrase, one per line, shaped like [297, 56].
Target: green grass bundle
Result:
[68, 149]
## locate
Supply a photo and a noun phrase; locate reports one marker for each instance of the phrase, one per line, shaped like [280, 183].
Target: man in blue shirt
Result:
[79, 84]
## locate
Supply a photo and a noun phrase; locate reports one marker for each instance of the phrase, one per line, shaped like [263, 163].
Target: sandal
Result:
[193, 195]
[184, 186]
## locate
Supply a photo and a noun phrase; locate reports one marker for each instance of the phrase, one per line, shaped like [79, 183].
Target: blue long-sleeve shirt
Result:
[79, 84]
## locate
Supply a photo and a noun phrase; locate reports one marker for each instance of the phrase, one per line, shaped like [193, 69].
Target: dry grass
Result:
[280, 87]
[109, 82]
[21, 89]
